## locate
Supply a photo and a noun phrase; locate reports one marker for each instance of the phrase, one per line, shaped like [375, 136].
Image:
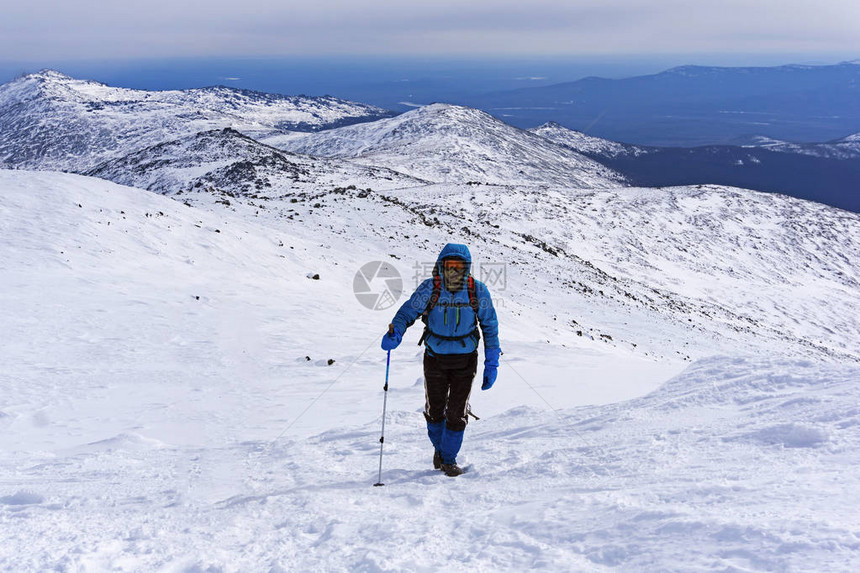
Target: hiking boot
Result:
[437, 460]
[451, 470]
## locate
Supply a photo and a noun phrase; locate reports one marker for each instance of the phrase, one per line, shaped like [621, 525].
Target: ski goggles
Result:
[454, 265]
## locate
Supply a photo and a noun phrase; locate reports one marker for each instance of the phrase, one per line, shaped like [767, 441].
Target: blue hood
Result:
[455, 251]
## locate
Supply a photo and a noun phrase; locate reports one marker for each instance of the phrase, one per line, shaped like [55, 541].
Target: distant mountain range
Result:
[826, 172]
[693, 105]
[241, 142]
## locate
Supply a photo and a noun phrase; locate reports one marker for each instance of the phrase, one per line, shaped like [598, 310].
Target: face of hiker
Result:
[454, 271]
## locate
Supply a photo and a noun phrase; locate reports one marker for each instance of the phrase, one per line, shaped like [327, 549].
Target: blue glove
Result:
[391, 340]
[491, 365]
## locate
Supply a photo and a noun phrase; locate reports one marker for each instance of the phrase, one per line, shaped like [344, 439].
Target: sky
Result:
[46, 30]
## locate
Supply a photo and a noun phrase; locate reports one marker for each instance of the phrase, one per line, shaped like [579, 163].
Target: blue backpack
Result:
[434, 299]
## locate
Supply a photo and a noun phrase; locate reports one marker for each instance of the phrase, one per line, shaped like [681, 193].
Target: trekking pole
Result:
[384, 406]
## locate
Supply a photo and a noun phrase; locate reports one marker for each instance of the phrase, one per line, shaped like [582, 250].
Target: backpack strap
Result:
[473, 296]
[434, 298]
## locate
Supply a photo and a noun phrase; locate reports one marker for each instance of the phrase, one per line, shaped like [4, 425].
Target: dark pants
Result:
[447, 386]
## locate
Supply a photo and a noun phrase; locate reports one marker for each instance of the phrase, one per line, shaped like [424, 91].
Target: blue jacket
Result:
[452, 316]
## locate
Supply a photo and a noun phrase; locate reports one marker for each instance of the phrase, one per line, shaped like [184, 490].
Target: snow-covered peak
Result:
[57, 84]
[443, 123]
[54, 85]
[41, 77]
[449, 143]
[31, 86]
[582, 142]
[448, 115]
[49, 74]
[44, 76]
[51, 121]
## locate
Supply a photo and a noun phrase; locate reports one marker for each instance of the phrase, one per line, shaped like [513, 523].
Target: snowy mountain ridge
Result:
[51, 121]
[452, 144]
[584, 143]
[845, 148]
[226, 161]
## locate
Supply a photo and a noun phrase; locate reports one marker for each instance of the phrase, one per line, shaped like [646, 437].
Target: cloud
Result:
[40, 29]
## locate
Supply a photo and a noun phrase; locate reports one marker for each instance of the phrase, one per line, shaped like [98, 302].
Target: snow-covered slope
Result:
[232, 163]
[730, 264]
[446, 143]
[168, 401]
[51, 121]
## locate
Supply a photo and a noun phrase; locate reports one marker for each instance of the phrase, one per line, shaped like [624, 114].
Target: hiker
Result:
[452, 305]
